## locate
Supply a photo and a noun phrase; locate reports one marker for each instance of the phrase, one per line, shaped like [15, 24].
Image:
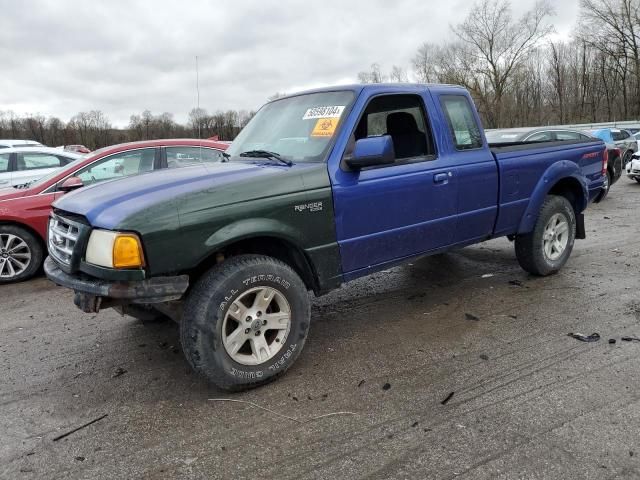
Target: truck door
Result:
[477, 170]
[393, 211]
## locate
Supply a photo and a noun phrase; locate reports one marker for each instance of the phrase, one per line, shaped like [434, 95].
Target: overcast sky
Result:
[60, 57]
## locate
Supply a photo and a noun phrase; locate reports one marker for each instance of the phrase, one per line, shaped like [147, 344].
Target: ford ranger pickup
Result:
[320, 188]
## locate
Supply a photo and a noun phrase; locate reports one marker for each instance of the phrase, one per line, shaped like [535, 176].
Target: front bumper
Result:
[93, 293]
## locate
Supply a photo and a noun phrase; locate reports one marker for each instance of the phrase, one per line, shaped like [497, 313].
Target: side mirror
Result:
[372, 151]
[71, 183]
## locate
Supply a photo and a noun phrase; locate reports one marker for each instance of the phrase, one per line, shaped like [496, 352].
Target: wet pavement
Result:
[528, 401]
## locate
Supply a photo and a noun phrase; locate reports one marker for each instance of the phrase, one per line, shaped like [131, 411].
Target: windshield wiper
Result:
[266, 154]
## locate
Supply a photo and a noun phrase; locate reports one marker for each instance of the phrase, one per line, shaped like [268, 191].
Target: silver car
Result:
[19, 143]
[22, 165]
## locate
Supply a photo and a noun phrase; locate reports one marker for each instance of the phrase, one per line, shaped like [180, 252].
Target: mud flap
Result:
[581, 233]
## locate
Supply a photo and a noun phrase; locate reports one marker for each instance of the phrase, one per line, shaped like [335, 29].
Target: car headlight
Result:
[114, 249]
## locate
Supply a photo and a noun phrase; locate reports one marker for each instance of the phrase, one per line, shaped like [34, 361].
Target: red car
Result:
[24, 212]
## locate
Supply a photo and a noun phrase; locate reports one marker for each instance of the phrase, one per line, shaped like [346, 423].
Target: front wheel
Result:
[547, 248]
[245, 322]
[605, 187]
[21, 254]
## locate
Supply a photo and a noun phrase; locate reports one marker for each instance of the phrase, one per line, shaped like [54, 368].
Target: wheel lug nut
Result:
[258, 333]
[247, 330]
[248, 319]
[264, 322]
[259, 314]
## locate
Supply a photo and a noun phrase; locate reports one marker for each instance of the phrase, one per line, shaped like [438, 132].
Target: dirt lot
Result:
[528, 402]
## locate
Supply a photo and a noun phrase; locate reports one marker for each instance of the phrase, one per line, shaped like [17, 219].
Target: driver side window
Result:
[119, 165]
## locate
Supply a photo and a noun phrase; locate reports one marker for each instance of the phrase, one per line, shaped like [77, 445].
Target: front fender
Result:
[253, 227]
[560, 171]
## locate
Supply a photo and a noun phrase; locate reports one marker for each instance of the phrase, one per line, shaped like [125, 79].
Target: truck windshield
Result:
[299, 129]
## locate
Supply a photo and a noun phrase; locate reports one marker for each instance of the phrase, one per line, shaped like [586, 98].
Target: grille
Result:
[63, 236]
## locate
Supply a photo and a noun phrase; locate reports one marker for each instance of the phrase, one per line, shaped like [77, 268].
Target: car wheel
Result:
[21, 254]
[245, 322]
[547, 248]
[627, 156]
[145, 313]
[605, 188]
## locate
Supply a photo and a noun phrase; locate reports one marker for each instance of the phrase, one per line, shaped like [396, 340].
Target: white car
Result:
[19, 143]
[633, 168]
[22, 165]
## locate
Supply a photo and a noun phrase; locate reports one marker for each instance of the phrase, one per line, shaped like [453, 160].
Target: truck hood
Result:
[108, 204]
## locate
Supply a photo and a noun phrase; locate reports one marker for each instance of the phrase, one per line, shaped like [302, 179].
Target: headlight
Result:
[114, 249]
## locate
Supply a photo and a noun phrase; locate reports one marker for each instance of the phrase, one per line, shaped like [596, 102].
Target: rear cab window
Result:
[4, 162]
[463, 127]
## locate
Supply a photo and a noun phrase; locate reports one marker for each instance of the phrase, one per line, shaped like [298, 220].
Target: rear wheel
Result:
[245, 322]
[547, 248]
[21, 254]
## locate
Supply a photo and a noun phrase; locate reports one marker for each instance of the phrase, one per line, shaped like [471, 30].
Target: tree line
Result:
[94, 130]
[519, 75]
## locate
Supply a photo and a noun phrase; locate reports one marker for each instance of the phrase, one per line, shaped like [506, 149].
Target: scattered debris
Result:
[386, 386]
[630, 339]
[612, 341]
[469, 316]
[414, 425]
[607, 218]
[361, 383]
[60, 437]
[26, 469]
[163, 345]
[79, 459]
[631, 453]
[516, 283]
[118, 372]
[294, 398]
[446, 400]
[594, 337]
[488, 275]
[484, 356]
[515, 317]
[332, 414]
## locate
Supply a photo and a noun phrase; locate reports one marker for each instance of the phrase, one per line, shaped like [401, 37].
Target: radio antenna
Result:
[198, 94]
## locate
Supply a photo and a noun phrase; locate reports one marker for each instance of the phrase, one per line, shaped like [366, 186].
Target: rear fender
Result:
[563, 171]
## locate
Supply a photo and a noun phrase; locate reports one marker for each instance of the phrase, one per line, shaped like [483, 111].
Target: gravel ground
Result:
[528, 401]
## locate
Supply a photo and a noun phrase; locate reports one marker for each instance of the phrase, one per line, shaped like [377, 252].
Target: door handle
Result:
[442, 177]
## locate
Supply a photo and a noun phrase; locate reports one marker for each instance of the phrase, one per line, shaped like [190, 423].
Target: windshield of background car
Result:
[498, 136]
[299, 128]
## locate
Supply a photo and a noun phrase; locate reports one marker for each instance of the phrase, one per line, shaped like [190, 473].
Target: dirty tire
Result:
[638, 180]
[35, 250]
[605, 191]
[212, 297]
[145, 313]
[530, 247]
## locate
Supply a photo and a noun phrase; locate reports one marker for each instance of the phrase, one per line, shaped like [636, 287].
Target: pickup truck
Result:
[320, 188]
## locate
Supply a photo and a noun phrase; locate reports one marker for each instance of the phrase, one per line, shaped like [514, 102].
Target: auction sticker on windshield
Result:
[323, 112]
[325, 127]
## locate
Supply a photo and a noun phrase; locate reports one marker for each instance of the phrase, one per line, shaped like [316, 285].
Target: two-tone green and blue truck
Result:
[319, 188]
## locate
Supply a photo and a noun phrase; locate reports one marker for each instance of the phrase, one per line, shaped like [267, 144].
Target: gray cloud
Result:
[66, 56]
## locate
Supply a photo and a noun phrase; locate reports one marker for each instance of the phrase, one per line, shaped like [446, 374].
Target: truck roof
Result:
[358, 87]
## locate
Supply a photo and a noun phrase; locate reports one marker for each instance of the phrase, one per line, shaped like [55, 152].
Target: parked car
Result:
[633, 169]
[615, 165]
[320, 188]
[623, 139]
[76, 148]
[24, 211]
[22, 165]
[537, 134]
[19, 143]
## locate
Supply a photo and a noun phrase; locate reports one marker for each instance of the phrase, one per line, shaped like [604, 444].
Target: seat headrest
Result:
[399, 123]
